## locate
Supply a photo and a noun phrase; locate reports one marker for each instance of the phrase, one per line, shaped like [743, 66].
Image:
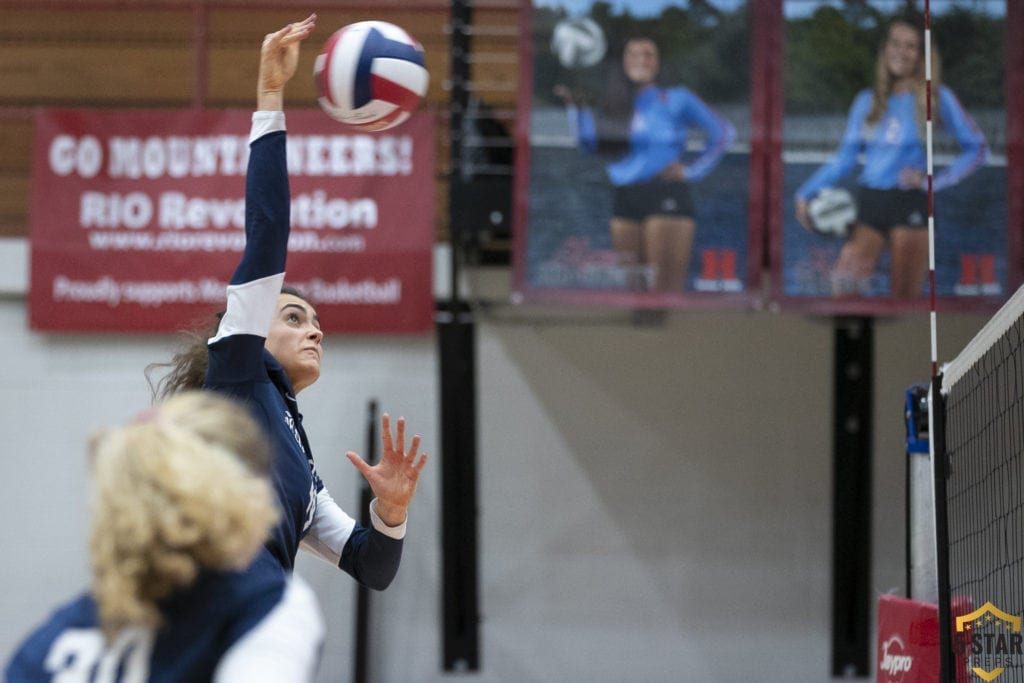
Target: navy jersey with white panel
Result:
[243, 369]
[255, 626]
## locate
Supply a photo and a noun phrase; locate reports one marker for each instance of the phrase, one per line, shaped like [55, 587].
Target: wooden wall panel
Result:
[15, 167]
[13, 205]
[16, 143]
[89, 74]
[111, 54]
[64, 25]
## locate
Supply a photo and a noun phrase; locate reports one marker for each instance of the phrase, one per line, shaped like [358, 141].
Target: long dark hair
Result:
[187, 367]
[615, 109]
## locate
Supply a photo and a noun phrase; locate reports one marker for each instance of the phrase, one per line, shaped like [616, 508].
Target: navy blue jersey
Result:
[251, 626]
[243, 369]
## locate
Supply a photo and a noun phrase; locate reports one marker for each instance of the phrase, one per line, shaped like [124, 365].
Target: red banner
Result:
[137, 219]
[908, 641]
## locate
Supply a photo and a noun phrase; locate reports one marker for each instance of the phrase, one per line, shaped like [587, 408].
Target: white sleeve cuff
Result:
[395, 532]
[264, 122]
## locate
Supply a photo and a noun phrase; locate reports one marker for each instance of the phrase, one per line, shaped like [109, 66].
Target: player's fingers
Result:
[293, 36]
[299, 31]
[385, 427]
[273, 40]
[292, 32]
[401, 435]
[281, 32]
[419, 465]
[359, 463]
[414, 447]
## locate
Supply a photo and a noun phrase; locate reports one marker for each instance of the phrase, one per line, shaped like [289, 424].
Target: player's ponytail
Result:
[187, 368]
[172, 497]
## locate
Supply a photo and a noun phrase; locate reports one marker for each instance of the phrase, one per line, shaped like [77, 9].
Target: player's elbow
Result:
[379, 580]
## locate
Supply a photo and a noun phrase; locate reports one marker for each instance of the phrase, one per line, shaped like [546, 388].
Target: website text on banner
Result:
[137, 219]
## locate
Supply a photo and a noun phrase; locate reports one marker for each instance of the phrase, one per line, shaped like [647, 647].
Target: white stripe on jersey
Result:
[330, 530]
[284, 646]
[247, 310]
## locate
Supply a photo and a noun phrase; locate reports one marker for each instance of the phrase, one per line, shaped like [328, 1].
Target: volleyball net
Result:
[977, 428]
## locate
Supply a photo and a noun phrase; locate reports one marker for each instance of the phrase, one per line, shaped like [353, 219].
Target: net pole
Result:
[361, 657]
[937, 413]
[938, 476]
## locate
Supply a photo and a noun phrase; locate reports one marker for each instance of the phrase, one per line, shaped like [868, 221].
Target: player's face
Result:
[902, 51]
[640, 61]
[295, 340]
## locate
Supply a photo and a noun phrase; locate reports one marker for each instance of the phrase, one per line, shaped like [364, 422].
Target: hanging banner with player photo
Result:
[137, 219]
[851, 211]
[636, 159]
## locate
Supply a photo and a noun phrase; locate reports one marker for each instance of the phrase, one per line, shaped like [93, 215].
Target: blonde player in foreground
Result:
[182, 587]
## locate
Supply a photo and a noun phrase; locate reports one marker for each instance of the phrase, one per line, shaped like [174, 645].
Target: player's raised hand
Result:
[279, 57]
[393, 479]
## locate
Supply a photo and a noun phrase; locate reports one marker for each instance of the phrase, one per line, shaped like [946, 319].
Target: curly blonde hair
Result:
[181, 489]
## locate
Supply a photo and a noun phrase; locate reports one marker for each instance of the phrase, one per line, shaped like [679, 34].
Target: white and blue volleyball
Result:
[578, 42]
[832, 211]
[370, 75]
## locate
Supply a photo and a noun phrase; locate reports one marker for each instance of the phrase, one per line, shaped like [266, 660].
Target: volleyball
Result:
[578, 42]
[370, 75]
[832, 211]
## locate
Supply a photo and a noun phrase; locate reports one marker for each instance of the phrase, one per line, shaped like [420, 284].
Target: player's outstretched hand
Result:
[279, 57]
[393, 479]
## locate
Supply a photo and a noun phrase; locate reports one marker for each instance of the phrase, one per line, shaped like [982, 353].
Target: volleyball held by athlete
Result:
[886, 125]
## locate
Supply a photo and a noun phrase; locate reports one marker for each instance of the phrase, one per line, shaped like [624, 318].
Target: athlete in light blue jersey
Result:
[653, 223]
[181, 507]
[658, 130]
[886, 126]
[267, 348]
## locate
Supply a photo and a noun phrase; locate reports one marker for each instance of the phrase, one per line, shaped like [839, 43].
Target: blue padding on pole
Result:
[916, 414]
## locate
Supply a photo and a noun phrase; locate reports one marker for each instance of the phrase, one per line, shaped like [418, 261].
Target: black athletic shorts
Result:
[653, 198]
[885, 209]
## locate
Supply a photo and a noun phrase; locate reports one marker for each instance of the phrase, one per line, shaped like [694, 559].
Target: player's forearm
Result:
[372, 558]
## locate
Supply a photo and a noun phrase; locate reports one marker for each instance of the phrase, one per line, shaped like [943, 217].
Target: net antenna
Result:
[932, 317]
[933, 385]
[931, 192]
[939, 525]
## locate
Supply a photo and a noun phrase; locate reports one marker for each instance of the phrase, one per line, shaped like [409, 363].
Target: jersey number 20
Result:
[79, 656]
